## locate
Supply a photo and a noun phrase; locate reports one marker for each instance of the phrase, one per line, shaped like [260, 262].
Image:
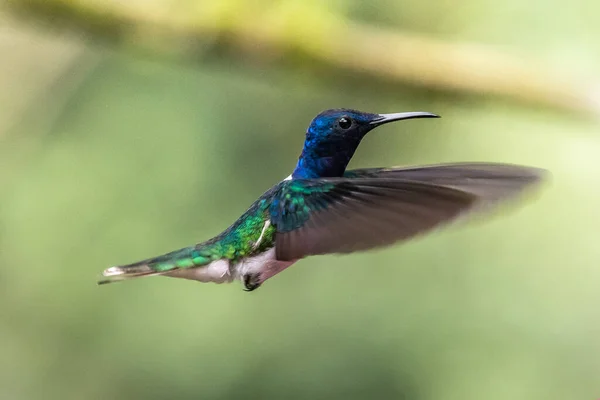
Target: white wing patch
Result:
[262, 234]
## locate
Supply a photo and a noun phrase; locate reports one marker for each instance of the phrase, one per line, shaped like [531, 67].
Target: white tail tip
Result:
[113, 271]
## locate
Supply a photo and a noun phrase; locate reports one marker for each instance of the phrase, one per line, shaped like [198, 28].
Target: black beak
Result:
[385, 118]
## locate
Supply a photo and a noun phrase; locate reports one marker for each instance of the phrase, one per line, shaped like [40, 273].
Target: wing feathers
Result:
[376, 207]
[367, 213]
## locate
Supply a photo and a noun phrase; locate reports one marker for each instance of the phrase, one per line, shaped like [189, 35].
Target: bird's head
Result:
[334, 135]
[345, 124]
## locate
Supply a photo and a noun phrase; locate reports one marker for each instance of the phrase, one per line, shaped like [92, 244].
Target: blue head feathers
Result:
[334, 135]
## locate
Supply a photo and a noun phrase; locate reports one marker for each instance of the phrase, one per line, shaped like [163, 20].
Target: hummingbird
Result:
[322, 208]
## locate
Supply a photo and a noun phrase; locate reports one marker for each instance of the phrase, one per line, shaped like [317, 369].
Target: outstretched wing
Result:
[490, 182]
[339, 215]
[370, 208]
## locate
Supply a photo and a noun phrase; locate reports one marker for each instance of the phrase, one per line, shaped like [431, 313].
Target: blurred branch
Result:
[310, 30]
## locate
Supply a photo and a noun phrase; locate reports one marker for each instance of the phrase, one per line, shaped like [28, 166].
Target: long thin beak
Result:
[385, 118]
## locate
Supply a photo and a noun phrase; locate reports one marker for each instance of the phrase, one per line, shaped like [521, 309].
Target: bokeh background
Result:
[132, 128]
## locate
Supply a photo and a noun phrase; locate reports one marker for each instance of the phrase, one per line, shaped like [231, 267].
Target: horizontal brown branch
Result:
[390, 55]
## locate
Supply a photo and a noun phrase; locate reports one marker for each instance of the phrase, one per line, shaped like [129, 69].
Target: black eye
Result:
[345, 122]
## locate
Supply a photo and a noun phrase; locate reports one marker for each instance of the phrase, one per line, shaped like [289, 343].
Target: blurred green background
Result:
[135, 128]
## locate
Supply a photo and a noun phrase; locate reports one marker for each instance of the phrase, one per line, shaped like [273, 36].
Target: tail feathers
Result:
[185, 258]
[121, 273]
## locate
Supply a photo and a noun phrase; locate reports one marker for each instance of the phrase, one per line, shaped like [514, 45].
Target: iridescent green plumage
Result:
[364, 209]
[246, 237]
[324, 209]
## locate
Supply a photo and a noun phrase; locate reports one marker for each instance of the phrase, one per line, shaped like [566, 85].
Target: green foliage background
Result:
[152, 154]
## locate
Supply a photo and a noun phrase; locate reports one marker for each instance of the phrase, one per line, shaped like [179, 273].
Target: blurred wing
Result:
[340, 215]
[490, 182]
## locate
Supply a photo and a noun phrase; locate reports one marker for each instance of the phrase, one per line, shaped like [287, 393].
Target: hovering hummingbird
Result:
[323, 209]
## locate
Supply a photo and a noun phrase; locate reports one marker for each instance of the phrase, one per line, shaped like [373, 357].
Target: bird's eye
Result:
[345, 122]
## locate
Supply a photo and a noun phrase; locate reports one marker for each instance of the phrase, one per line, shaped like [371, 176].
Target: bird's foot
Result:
[251, 282]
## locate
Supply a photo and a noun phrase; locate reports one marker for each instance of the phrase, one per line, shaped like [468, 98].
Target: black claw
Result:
[251, 282]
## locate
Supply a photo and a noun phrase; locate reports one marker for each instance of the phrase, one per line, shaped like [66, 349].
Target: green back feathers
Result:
[294, 201]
